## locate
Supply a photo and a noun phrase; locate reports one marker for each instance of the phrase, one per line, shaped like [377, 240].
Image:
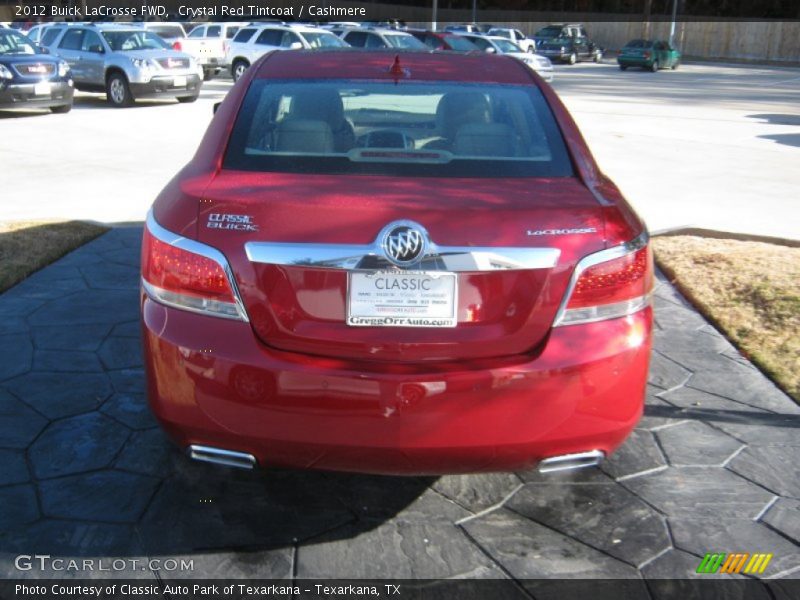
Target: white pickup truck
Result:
[516, 36]
[208, 44]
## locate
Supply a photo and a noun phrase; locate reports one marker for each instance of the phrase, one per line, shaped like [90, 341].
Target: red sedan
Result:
[395, 264]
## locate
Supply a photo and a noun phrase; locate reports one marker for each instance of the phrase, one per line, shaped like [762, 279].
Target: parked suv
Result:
[567, 44]
[30, 78]
[127, 63]
[251, 43]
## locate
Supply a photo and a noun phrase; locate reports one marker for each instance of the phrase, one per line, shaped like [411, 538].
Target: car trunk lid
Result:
[303, 308]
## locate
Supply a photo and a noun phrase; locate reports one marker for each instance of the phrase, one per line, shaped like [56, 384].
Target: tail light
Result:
[176, 45]
[186, 274]
[609, 284]
[647, 55]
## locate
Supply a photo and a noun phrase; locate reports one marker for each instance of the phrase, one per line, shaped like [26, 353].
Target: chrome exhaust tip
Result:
[218, 456]
[568, 462]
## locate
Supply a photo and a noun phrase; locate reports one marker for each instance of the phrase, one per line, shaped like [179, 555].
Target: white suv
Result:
[250, 43]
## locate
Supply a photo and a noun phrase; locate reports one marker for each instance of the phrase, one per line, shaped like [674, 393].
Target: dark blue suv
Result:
[30, 78]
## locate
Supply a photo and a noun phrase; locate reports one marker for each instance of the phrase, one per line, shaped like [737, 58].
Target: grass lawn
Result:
[27, 246]
[749, 290]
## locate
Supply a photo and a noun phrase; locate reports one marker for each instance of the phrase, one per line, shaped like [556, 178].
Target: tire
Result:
[676, 65]
[654, 66]
[209, 74]
[61, 110]
[573, 58]
[623, 67]
[238, 68]
[118, 92]
[187, 99]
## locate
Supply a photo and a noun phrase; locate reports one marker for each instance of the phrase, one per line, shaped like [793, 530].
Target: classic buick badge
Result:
[404, 243]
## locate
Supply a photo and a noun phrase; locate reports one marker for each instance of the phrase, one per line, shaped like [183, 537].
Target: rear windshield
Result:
[456, 42]
[506, 46]
[323, 40]
[404, 40]
[638, 44]
[426, 129]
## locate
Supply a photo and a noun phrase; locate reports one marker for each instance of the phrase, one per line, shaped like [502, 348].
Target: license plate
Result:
[179, 82]
[402, 299]
[42, 89]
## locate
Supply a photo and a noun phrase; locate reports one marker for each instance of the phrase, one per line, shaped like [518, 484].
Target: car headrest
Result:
[304, 136]
[484, 139]
[459, 108]
[320, 105]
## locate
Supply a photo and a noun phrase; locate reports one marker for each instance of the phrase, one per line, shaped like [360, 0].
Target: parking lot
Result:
[711, 467]
[713, 146]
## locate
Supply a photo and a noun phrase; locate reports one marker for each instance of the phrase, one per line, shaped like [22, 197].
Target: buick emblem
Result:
[404, 242]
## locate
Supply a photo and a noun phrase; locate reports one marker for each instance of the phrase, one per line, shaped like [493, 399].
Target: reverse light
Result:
[188, 275]
[609, 284]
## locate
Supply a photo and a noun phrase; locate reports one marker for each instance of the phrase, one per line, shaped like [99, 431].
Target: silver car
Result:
[127, 63]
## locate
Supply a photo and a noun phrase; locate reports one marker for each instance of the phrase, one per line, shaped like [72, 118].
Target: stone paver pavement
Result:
[86, 472]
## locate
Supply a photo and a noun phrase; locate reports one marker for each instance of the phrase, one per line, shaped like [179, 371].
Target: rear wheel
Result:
[573, 58]
[238, 69]
[654, 66]
[623, 67]
[676, 64]
[118, 92]
[60, 110]
[208, 74]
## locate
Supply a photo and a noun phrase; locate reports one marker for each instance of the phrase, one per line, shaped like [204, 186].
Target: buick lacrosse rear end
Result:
[395, 264]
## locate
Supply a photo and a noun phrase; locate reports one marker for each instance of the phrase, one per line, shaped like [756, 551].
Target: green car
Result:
[649, 54]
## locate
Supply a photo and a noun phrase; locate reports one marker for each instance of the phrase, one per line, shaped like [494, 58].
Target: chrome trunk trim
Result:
[351, 257]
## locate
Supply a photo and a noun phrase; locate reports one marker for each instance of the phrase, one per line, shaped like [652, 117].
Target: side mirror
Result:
[216, 106]
[296, 46]
[43, 50]
[97, 49]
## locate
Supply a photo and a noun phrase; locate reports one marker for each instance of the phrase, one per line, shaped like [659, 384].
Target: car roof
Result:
[295, 28]
[417, 65]
[382, 30]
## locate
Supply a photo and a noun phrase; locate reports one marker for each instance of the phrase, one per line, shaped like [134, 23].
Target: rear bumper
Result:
[23, 95]
[211, 383]
[164, 87]
[554, 55]
[634, 61]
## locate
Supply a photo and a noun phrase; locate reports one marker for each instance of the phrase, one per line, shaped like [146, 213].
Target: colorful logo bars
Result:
[739, 562]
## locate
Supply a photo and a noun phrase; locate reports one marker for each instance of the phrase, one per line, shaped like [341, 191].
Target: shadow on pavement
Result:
[787, 139]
